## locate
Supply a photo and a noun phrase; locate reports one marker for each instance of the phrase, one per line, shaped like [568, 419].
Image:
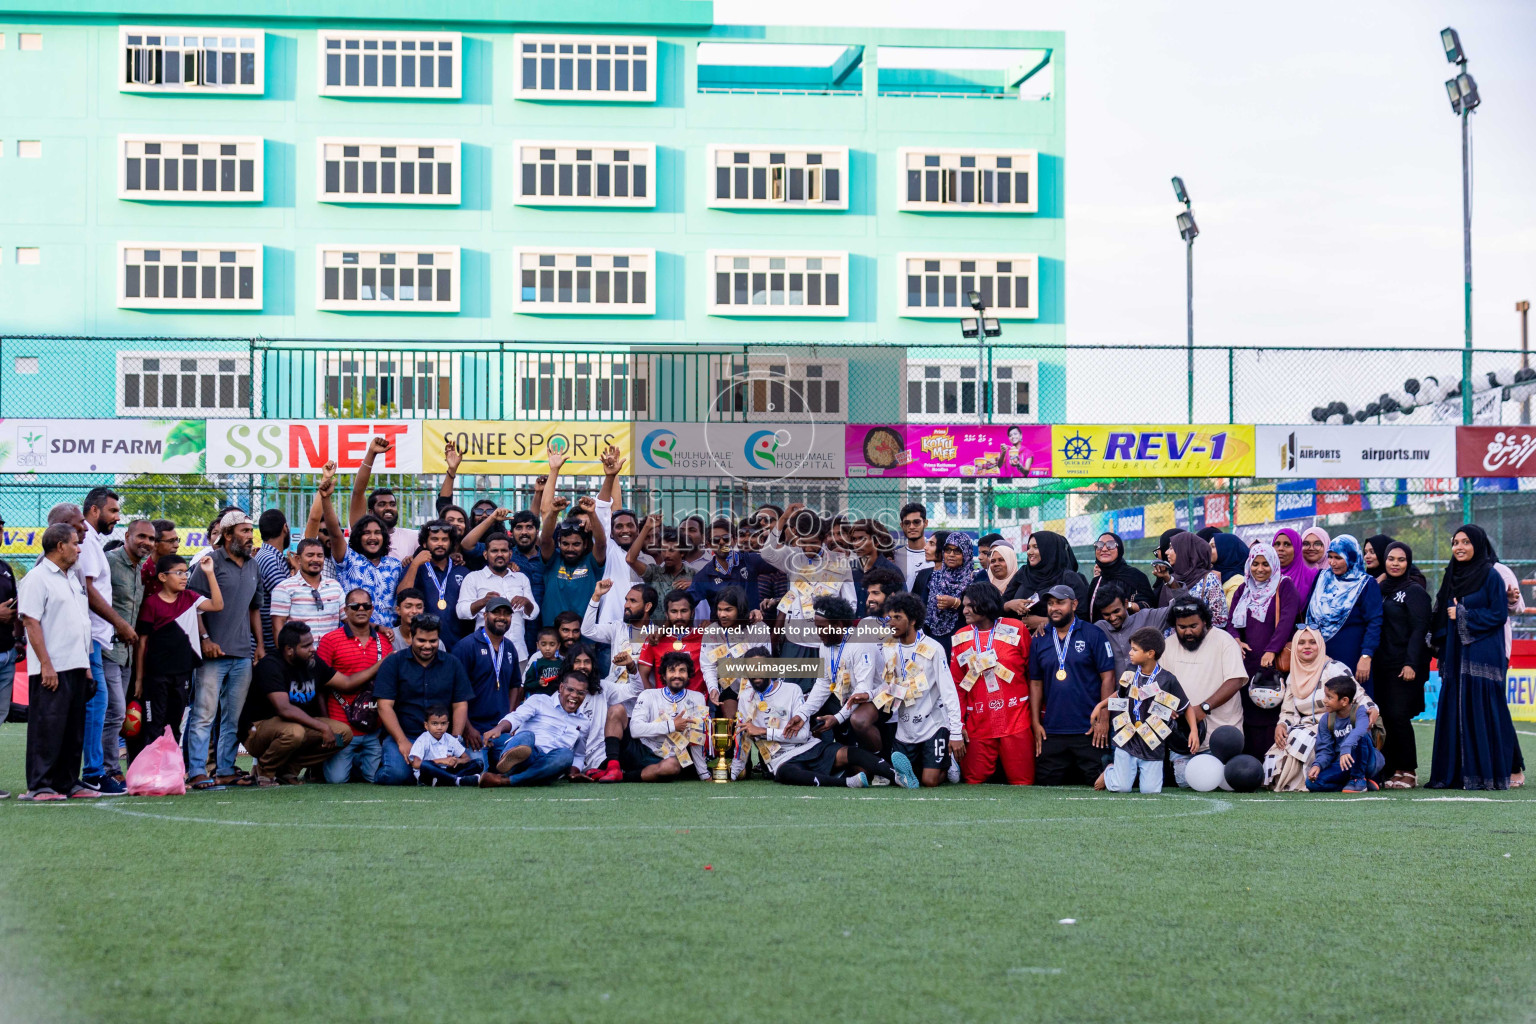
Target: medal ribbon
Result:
[1061, 645]
[498, 655]
[437, 583]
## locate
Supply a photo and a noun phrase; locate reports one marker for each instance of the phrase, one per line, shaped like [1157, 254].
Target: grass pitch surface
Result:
[759, 903]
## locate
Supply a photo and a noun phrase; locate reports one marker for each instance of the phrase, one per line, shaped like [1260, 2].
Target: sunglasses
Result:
[360, 607]
[1106, 545]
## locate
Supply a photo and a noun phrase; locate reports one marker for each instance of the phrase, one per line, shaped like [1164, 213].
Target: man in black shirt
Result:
[283, 723]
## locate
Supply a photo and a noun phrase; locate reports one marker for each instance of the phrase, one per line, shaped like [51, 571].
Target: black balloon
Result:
[1245, 773]
[1226, 742]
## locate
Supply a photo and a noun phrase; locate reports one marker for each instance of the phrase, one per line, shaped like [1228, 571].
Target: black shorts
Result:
[821, 759]
[932, 752]
[635, 755]
[728, 693]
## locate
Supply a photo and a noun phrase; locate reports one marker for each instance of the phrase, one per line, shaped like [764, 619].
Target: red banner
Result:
[1338, 496]
[1496, 451]
[1218, 510]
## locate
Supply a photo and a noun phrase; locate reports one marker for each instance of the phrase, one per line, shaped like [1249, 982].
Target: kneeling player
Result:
[667, 728]
[772, 718]
[918, 688]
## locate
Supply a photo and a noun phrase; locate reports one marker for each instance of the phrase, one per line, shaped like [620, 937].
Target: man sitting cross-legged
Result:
[622, 684]
[771, 717]
[548, 735]
[667, 728]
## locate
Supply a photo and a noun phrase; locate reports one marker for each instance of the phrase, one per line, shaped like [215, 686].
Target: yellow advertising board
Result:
[1255, 507]
[517, 447]
[1159, 517]
[1148, 450]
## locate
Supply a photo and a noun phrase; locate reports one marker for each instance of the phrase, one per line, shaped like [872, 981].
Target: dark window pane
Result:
[332, 283]
[444, 287]
[132, 177]
[444, 178]
[640, 73]
[546, 179]
[226, 282]
[530, 179]
[832, 298]
[639, 182]
[247, 282]
[1021, 187]
[370, 177]
[445, 72]
[152, 175]
[759, 183]
[1003, 189]
[408, 71]
[741, 183]
[621, 75]
[739, 293]
[426, 72]
[170, 282]
[565, 179]
[350, 176]
[352, 69]
[189, 282]
[333, 69]
[620, 180]
[387, 186]
[210, 280]
[371, 70]
[424, 179]
[602, 286]
[602, 179]
[546, 286]
[210, 175]
[584, 75]
[813, 290]
[620, 287]
[722, 289]
[131, 282]
[583, 286]
[832, 190]
[1021, 295]
[931, 290]
[247, 175]
[530, 73]
[722, 183]
[565, 286]
[637, 287]
[388, 76]
[566, 70]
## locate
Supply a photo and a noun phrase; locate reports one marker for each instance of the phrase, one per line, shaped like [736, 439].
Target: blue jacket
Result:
[1338, 734]
[493, 690]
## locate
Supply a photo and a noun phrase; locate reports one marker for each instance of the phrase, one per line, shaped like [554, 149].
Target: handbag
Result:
[363, 710]
[1283, 659]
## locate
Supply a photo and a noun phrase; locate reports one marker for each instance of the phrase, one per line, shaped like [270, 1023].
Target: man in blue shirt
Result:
[490, 660]
[1071, 669]
[728, 568]
[408, 683]
[433, 572]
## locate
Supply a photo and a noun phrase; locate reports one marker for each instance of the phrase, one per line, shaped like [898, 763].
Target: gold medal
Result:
[677, 645]
[1061, 674]
[442, 604]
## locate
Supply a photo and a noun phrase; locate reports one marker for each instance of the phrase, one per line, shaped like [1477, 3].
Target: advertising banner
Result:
[1363, 450]
[1087, 450]
[1495, 451]
[1334, 496]
[1255, 507]
[1130, 523]
[948, 450]
[1521, 694]
[1218, 510]
[101, 446]
[1295, 499]
[1160, 517]
[768, 451]
[515, 448]
[305, 446]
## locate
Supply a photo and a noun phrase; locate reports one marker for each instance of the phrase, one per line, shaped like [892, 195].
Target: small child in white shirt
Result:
[437, 756]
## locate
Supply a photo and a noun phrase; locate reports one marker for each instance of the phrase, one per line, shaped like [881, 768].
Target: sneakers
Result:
[490, 780]
[879, 781]
[40, 796]
[954, 770]
[859, 781]
[91, 782]
[84, 792]
[610, 772]
[906, 778]
[4, 794]
[511, 758]
[109, 786]
[1355, 786]
[738, 768]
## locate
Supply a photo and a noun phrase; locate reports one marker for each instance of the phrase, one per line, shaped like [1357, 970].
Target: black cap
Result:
[497, 603]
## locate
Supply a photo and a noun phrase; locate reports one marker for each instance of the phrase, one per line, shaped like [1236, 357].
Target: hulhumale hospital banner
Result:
[101, 446]
[747, 451]
[1101, 450]
[915, 450]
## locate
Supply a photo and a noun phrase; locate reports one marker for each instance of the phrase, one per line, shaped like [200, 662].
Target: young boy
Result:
[167, 651]
[1142, 712]
[438, 756]
[543, 674]
[1345, 757]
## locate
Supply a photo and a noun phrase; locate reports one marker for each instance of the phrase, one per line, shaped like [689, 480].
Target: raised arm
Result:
[613, 464]
[451, 458]
[328, 515]
[317, 507]
[214, 602]
[359, 507]
[550, 507]
[647, 528]
[479, 530]
[599, 536]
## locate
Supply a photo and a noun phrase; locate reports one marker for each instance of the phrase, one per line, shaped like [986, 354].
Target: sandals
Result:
[203, 782]
[1401, 780]
[238, 777]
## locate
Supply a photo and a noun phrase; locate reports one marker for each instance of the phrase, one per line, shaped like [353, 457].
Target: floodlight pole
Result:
[1466, 261]
[1189, 304]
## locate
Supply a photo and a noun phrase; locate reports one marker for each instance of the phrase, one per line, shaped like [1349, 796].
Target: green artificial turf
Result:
[760, 903]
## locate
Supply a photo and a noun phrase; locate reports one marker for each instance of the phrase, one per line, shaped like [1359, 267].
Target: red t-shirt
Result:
[346, 654]
[652, 653]
[994, 706]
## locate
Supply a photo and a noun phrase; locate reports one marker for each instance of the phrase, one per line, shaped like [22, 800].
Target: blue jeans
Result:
[7, 682]
[1367, 762]
[96, 719]
[486, 757]
[436, 774]
[394, 769]
[363, 752]
[220, 687]
[1120, 777]
[543, 767]
[1180, 762]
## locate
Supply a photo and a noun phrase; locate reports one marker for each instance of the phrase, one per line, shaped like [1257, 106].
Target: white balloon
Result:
[1205, 772]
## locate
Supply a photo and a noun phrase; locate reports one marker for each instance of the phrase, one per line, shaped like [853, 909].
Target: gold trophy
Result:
[721, 735]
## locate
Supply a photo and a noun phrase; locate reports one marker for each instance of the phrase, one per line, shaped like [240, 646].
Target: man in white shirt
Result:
[772, 719]
[308, 596]
[381, 502]
[620, 529]
[55, 614]
[668, 727]
[621, 686]
[913, 555]
[917, 687]
[1208, 664]
[548, 733]
[499, 578]
[100, 515]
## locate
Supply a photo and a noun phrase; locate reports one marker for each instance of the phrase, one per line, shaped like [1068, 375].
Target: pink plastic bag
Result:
[157, 771]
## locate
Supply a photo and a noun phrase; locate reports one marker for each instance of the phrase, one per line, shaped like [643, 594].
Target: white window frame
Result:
[522, 92]
[256, 88]
[1030, 262]
[777, 185]
[641, 154]
[713, 256]
[397, 91]
[247, 254]
[574, 386]
[565, 261]
[370, 257]
[767, 387]
[432, 378]
[208, 365]
[960, 372]
[396, 198]
[951, 187]
[252, 144]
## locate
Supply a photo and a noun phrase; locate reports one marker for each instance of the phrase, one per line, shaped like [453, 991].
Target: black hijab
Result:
[1379, 543]
[1054, 563]
[1465, 578]
[1392, 584]
[1162, 542]
[1133, 583]
[1208, 532]
[1194, 559]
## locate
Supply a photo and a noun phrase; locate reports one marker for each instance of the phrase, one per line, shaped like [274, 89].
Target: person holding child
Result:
[1141, 717]
[1286, 763]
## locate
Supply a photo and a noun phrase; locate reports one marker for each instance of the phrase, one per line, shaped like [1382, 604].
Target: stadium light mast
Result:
[1462, 91]
[980, 327]
[1187, 231]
